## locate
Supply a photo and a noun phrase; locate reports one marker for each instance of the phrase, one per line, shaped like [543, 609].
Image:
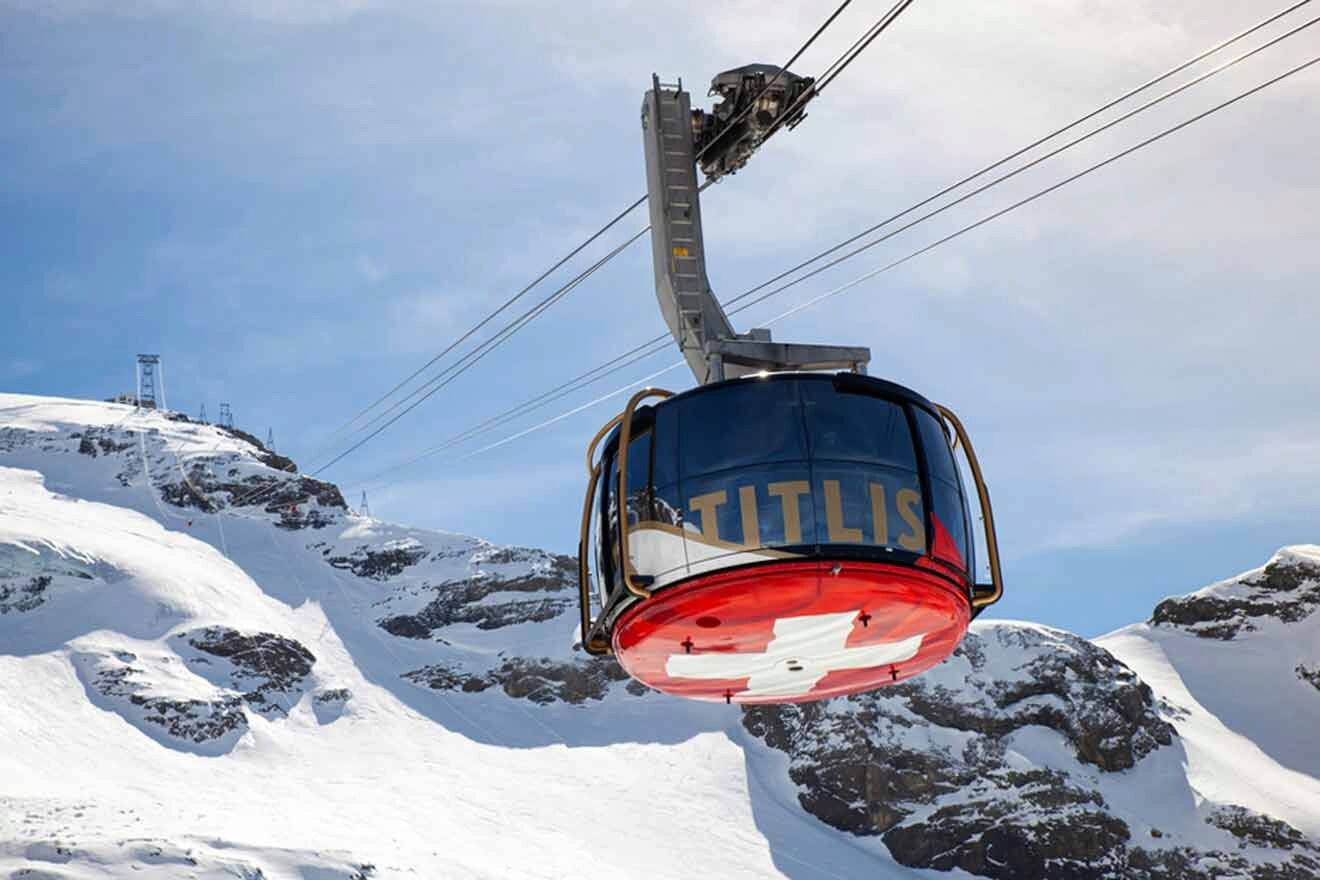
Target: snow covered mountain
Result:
[210, 667]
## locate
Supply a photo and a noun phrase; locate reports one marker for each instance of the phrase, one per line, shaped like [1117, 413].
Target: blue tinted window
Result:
[744, 424]
[869, 506]
[665, 468]
[639, 463]
[939, 455]
[761, 506]
[950, 523]
[856, 427]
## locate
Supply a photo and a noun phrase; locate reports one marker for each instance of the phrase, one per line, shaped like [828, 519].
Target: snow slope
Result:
[209, 667]
[1232, 659]
[430, 785]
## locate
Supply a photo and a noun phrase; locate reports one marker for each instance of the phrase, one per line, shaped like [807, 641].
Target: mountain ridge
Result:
[217, 644]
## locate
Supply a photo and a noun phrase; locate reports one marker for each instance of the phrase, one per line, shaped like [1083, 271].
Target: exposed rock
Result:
[382, 564]
[300, 502]
[1286, 590]
[1311, 676]
[196, 720]
[465, 601]
[924, 763]
[986, 838]
[23, 595]
[268, 669]
[541, 681]
[124, 682]
[329, 705]
[94, 441]
[335, 695]
[1253, 829]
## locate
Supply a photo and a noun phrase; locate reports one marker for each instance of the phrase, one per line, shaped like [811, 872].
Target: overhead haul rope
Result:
[433, 385]
[473, 357]
[463, 365]
[896, 263]
[577, 250]
[1015, 172]
[476, 354]
[659, 343]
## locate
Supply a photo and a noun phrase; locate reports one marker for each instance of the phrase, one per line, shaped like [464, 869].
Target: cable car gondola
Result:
[791, 529]
[781, 537]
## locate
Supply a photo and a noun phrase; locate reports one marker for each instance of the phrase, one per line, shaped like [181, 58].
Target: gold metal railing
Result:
[595, 475]
[979, 599]
[625, 437]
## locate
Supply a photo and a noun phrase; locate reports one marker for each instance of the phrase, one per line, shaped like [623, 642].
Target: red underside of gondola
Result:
[792, 631]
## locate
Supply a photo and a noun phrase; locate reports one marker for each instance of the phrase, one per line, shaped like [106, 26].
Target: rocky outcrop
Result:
[133, 687]
[541, 681]
[469, 600]
[23, 594]
[1310, 676]
[928, 766]
[1286, 590]
[383, 563]
[1255, 830]
[93, 442]
[269, 671]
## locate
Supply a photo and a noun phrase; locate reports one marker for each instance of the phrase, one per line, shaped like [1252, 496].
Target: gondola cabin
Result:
[781, 538]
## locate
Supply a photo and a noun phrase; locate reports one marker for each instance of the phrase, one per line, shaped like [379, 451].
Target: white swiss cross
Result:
[803, 651]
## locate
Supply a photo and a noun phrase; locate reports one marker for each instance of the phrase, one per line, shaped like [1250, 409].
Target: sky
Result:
[298, 203]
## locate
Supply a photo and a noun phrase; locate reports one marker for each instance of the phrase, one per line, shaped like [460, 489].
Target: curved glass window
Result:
[639, 469]
[856, 427]
[756, 470]
[951, 541]
[935, 443]
[747, 424]
[665, 457]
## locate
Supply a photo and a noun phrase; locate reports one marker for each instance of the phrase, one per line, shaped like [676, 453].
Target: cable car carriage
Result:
[789, 530]
[780, 538]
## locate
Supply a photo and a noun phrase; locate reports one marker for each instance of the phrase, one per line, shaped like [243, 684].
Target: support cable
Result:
[577, 250]
[462, 365]
[1014, 173]
[927, 248]
[660, 342]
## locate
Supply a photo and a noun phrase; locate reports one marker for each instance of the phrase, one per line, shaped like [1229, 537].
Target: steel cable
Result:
[658, 343]
[594, 236]
[927, 248]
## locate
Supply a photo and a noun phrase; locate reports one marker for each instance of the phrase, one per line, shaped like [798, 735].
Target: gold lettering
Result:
[879, 515]
[916, 539]
[788, 493]
[706, 506]
[839, 533]
[751, 523]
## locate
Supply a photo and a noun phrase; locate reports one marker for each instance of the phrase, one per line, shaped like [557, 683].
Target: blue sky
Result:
[298, 203]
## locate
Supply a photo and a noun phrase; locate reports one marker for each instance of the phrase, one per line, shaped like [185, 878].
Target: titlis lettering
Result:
[789, 494]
